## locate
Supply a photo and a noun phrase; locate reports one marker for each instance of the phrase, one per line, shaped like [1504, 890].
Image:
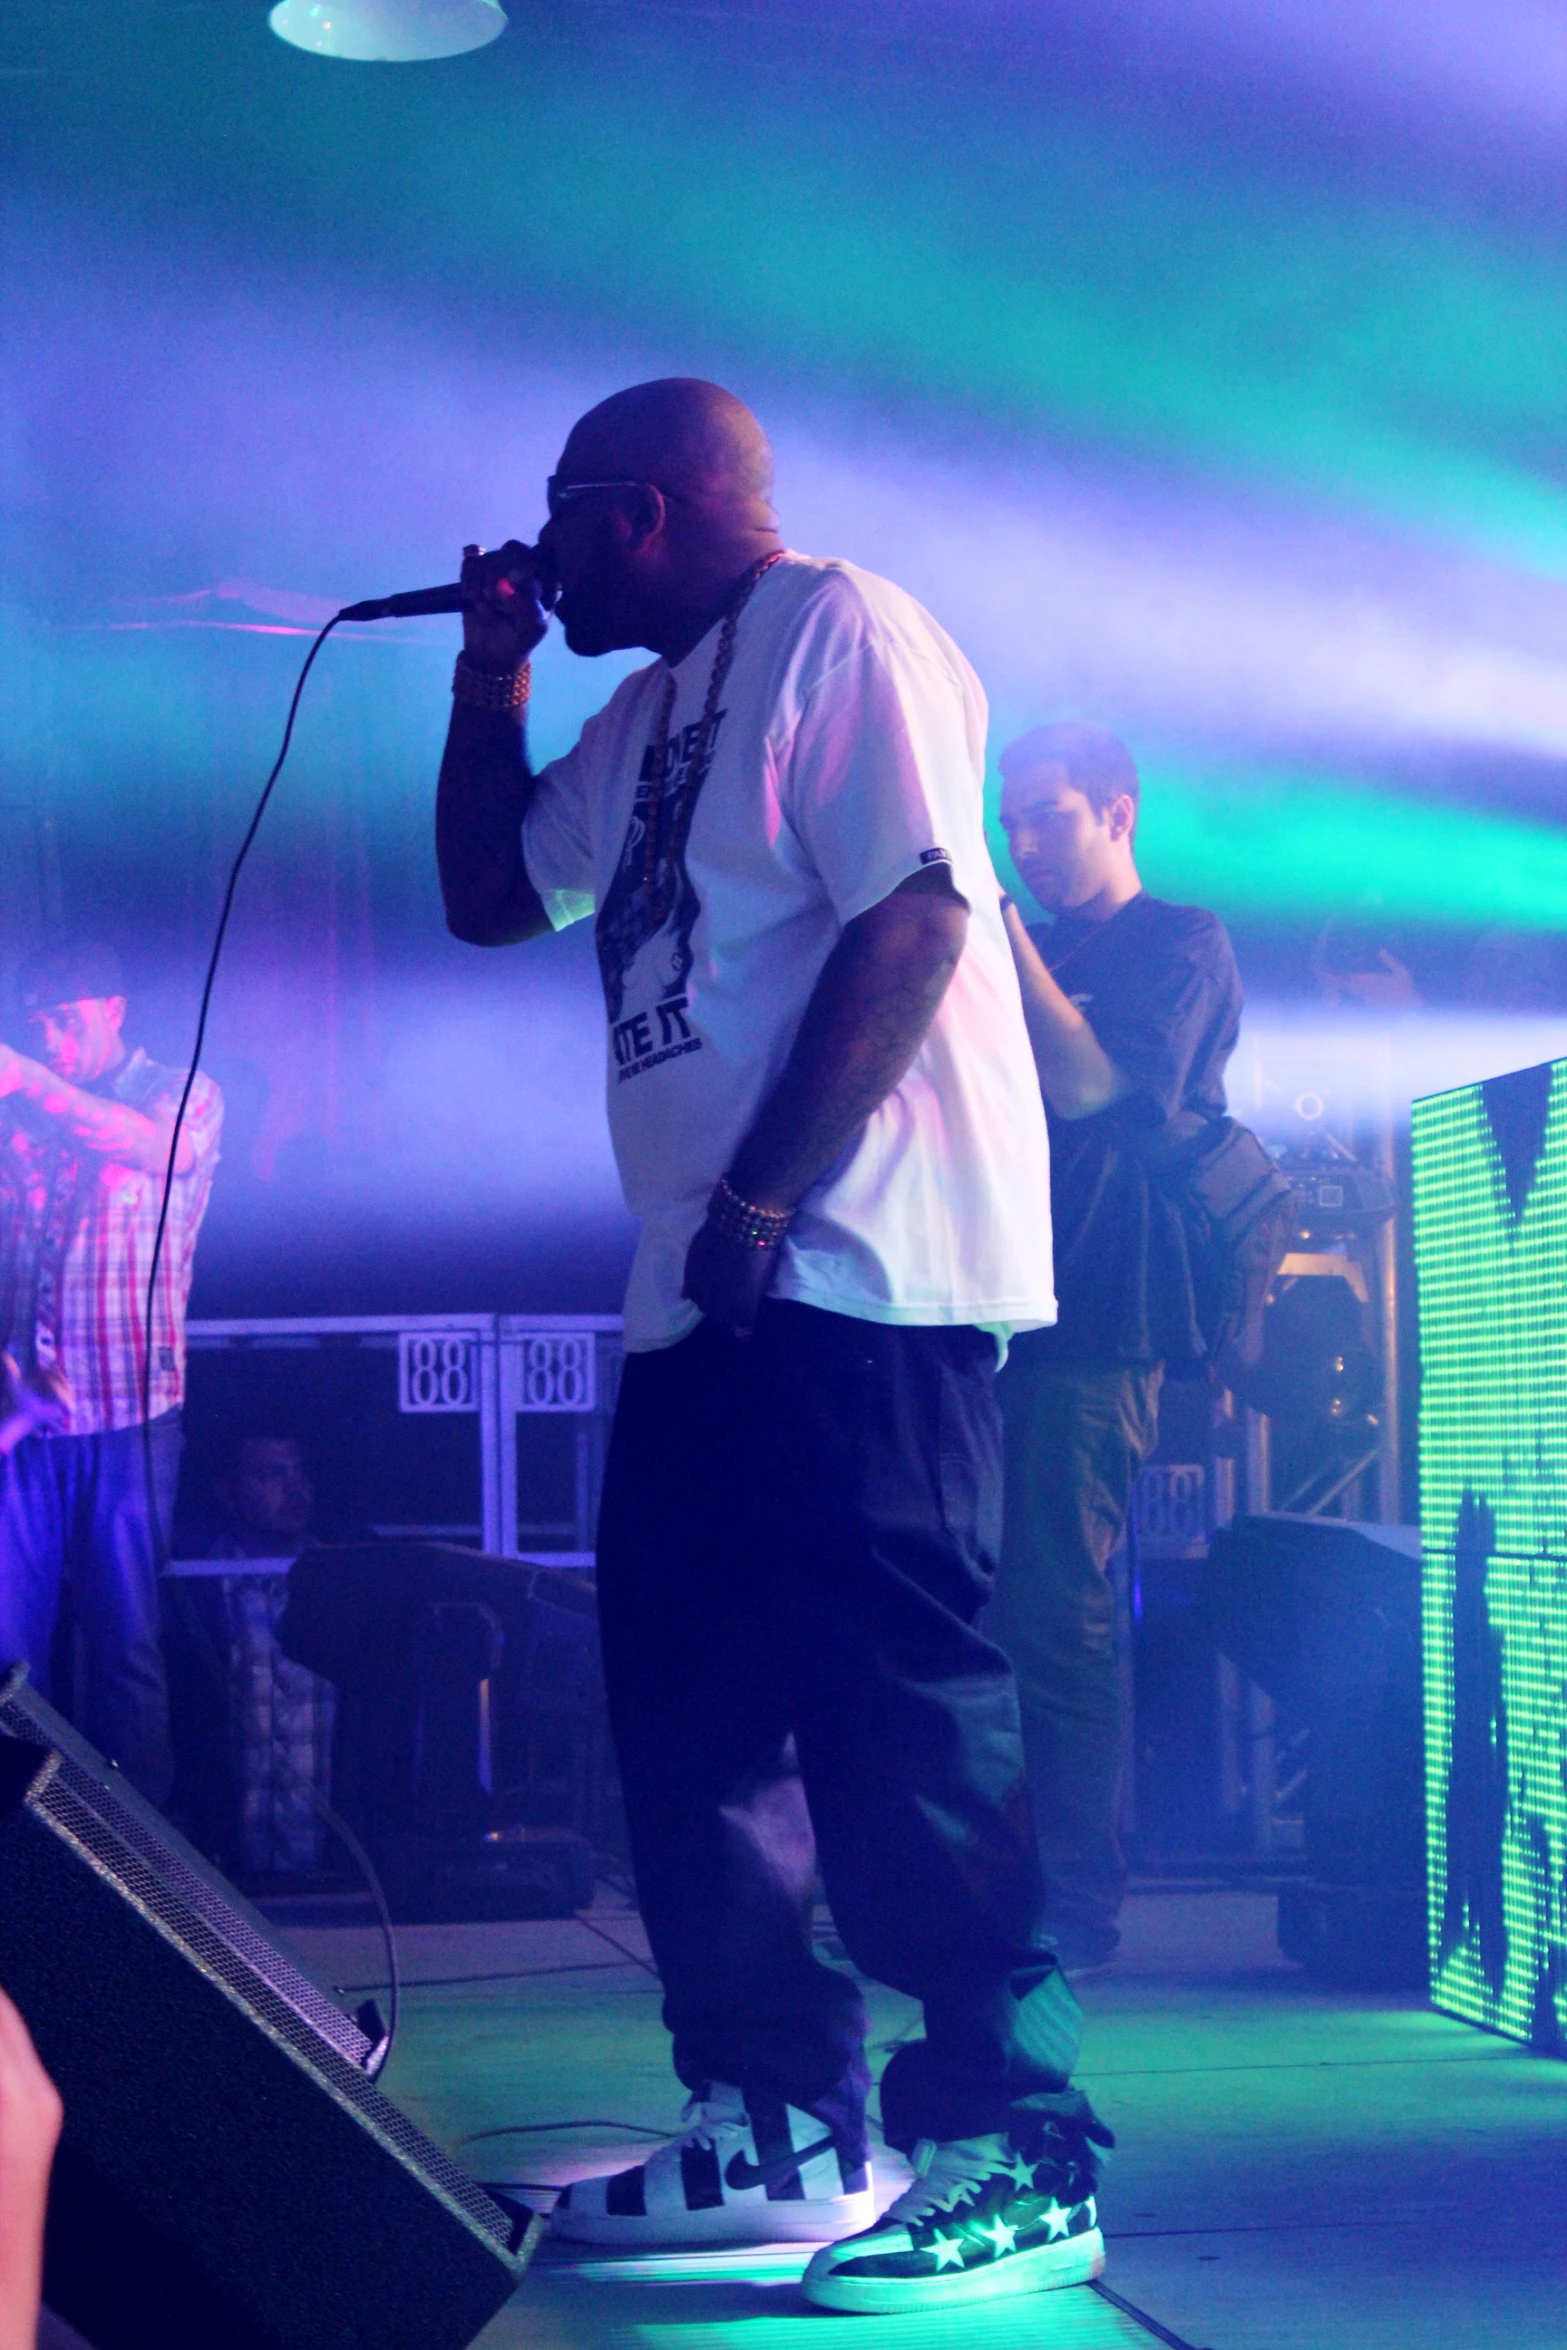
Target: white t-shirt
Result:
[848, 752]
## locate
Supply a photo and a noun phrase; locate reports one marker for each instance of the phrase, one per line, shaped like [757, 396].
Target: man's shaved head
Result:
[675, 509]
[685, 435]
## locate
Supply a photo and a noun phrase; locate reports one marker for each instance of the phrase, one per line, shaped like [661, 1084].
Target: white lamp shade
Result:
[388, 32]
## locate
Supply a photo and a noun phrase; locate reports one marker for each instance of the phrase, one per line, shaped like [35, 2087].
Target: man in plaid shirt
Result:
[86, 1485]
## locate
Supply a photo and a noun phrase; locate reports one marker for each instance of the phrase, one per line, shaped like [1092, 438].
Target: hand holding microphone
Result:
[505, 598]
[507, 601]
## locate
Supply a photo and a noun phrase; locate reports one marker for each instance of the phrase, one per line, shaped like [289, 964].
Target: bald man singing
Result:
[825, 1113]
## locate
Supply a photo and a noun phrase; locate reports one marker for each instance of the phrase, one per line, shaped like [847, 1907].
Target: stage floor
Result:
[1298, 2168]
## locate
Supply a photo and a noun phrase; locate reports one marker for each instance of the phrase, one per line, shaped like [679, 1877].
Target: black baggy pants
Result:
[797, 1538]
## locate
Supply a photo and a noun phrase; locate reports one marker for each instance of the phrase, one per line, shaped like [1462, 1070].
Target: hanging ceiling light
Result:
[388, 32]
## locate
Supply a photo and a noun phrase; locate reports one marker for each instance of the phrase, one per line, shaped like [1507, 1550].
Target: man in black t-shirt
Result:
[1133, 1006]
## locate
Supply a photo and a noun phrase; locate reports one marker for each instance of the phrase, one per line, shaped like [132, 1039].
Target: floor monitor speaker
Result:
[229, 2177]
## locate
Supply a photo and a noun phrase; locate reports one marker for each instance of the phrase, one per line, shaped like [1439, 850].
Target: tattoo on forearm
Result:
[862, 1029]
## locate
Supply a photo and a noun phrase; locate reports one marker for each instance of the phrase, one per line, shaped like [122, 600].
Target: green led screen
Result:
[1490, 1197]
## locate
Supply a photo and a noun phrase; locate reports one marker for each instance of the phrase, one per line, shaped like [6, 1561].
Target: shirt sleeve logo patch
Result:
[935, 856]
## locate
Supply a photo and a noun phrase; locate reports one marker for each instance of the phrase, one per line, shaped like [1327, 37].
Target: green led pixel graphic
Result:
[1490, 1200]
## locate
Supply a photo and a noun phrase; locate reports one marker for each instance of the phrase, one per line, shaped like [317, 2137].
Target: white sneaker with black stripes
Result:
[737, 2174]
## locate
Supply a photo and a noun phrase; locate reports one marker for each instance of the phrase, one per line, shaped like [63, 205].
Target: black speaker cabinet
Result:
[1325, 1615]
[229, 2177]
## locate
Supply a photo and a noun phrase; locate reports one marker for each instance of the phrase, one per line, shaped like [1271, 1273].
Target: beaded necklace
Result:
[653, 817]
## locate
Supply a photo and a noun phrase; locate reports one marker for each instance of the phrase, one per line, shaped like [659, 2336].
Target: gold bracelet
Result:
[491, 689]
[738, 1220]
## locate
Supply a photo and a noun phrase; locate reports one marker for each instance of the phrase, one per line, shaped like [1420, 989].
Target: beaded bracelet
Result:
[737, 1219]
[491, 689]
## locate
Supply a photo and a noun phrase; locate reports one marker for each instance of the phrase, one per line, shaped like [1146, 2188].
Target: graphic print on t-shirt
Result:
[651, 898]
[852, 756]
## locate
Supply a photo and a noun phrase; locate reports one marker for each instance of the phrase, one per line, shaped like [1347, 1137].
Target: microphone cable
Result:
[332, 1818]
[204, 1647]
[445, 599]
[215, 957]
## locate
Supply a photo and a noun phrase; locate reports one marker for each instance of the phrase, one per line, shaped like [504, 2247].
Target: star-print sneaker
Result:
[737, 2174]
[979, 2223]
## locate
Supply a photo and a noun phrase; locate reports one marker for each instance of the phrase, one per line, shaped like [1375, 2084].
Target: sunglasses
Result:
[559, 494]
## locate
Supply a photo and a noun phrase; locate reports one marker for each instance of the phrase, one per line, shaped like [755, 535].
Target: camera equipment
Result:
[1337, 1197]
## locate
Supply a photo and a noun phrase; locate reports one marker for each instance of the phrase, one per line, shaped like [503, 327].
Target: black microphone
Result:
[504, 572]
[409, 605]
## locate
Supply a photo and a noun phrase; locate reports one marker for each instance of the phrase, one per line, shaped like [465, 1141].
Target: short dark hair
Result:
[67, 971]
[1097, 762]
[226, 1448]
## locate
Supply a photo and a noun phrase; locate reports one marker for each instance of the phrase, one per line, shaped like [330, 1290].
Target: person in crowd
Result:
[90, 1416]
[1486, 970]
[272, 1720]
[30, 2119]
[826, 1115]
[1133, 1008]
[266, 1496]
[1355, 961]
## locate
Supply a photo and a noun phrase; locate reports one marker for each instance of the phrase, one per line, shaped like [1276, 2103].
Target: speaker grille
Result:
[177, 1897]
[79, 1805]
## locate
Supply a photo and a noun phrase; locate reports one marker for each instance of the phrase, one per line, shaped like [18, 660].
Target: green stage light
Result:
[1490, 1201]
[1297, 847]
[1044, 269]
[991, 258]
[1291, 844]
